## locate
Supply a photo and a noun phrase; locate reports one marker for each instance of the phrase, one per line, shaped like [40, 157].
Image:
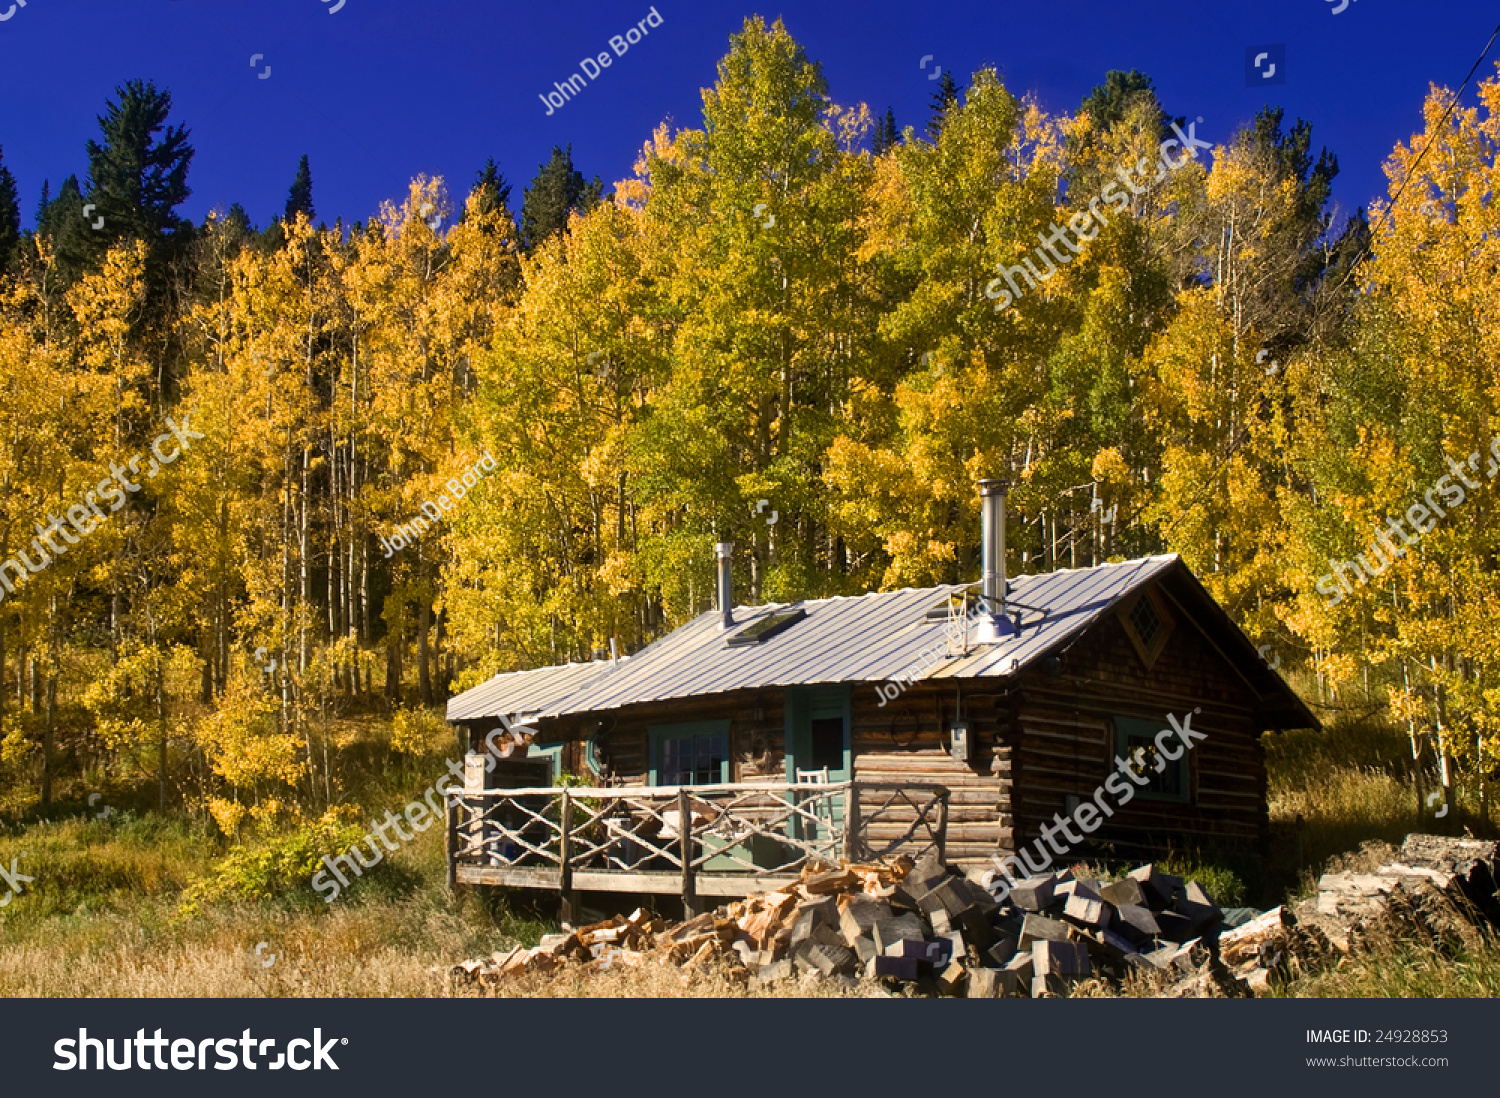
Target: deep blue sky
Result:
[385, 89]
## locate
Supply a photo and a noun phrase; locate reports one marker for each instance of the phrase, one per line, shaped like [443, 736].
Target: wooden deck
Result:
[740, 838]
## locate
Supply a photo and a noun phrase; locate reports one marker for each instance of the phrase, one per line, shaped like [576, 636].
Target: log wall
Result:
[1063, 743]
[907, 739]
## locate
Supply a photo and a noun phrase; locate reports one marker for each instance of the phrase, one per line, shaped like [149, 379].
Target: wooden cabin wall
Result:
[1063, 743]
[907, 740]
[757, 745]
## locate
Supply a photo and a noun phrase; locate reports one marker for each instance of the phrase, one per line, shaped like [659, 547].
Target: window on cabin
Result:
[1146, 620]
[552, 755]
[1147, 625]
[1135, 742]
[696, 753]
[827, 743]
[767, 627]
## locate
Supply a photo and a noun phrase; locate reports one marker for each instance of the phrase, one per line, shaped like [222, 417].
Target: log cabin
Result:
[960, 718]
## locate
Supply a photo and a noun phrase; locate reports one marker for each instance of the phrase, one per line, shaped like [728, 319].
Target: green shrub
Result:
[1222, 884]
[275, 865]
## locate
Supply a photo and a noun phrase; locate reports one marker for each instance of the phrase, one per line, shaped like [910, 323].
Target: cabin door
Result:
[817, 737]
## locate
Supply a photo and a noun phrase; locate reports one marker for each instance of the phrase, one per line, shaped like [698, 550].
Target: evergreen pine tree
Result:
[239, 219]
[60, 220]
[943, 100]
[1106, 104]
[493, 190]
[10, 217]
[137, 180]
[1311, 181]
[557, 190]
[299, 199]
[1093, 147]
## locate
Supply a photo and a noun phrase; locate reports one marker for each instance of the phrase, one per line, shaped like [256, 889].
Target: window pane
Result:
[1144, 617]
[1145, 759]
[679, 756]
[827, 736]
[687, 758]
[710, 758]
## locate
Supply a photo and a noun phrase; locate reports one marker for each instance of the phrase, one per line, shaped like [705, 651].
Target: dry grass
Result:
[346, 953]
[1406, 969]
[379, 948]
[102, 918]
[1330, 792]
[655, 980]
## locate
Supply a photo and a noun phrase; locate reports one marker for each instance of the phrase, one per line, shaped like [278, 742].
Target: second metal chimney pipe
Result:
[725, 550]
[992, 502]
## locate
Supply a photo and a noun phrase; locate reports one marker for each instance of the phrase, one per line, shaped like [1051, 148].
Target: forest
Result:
[793, 302]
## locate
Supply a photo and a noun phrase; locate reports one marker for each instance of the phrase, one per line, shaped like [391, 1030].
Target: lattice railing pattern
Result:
[758, 828]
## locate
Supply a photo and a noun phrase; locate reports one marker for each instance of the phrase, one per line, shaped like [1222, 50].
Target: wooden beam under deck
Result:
[607, 881]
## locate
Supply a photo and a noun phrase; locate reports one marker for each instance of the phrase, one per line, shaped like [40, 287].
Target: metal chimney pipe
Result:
[725, 550]
[992, 504]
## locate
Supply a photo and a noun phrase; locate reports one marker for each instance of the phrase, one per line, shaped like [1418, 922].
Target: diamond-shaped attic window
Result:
[1147, 624]
[1146, 621]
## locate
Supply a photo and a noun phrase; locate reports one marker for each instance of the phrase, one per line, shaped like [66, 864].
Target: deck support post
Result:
[942, 830]
[565, 884]
[685, 836]
[451, 812]
[851, 822]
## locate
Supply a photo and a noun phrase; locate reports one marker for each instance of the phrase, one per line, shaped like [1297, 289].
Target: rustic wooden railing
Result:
[628, 838]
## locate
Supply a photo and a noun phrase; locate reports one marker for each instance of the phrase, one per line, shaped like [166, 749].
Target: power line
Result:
[1412, 171]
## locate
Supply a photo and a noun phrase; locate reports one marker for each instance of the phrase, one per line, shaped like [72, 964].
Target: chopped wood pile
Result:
[752, 935]
[935, 931]
[1061, 929]
[922, 924]
[1442, 887]
[1436, 885]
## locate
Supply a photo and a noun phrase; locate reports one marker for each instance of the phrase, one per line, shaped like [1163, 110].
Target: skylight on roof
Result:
[767, 627]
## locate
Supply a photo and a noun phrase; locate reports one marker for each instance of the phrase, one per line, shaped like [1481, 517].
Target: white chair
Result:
[823, 808]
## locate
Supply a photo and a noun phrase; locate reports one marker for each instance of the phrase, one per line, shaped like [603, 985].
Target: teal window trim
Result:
[591, 753]
[552, 752]
[1176, 772]
[659, 733]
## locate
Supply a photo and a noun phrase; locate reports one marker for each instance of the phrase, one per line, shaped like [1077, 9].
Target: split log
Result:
[1033, 894]
[1243, 942]
[1040, 928]
[984, 983]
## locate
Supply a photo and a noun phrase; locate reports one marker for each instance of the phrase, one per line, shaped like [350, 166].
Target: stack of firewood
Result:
[742, 933]
[1059, 929]
[922, 924]
[1433, 885]
[937, 931]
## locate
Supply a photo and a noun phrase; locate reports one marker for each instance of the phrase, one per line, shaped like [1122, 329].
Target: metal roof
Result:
[863, 638]
[523, 693]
